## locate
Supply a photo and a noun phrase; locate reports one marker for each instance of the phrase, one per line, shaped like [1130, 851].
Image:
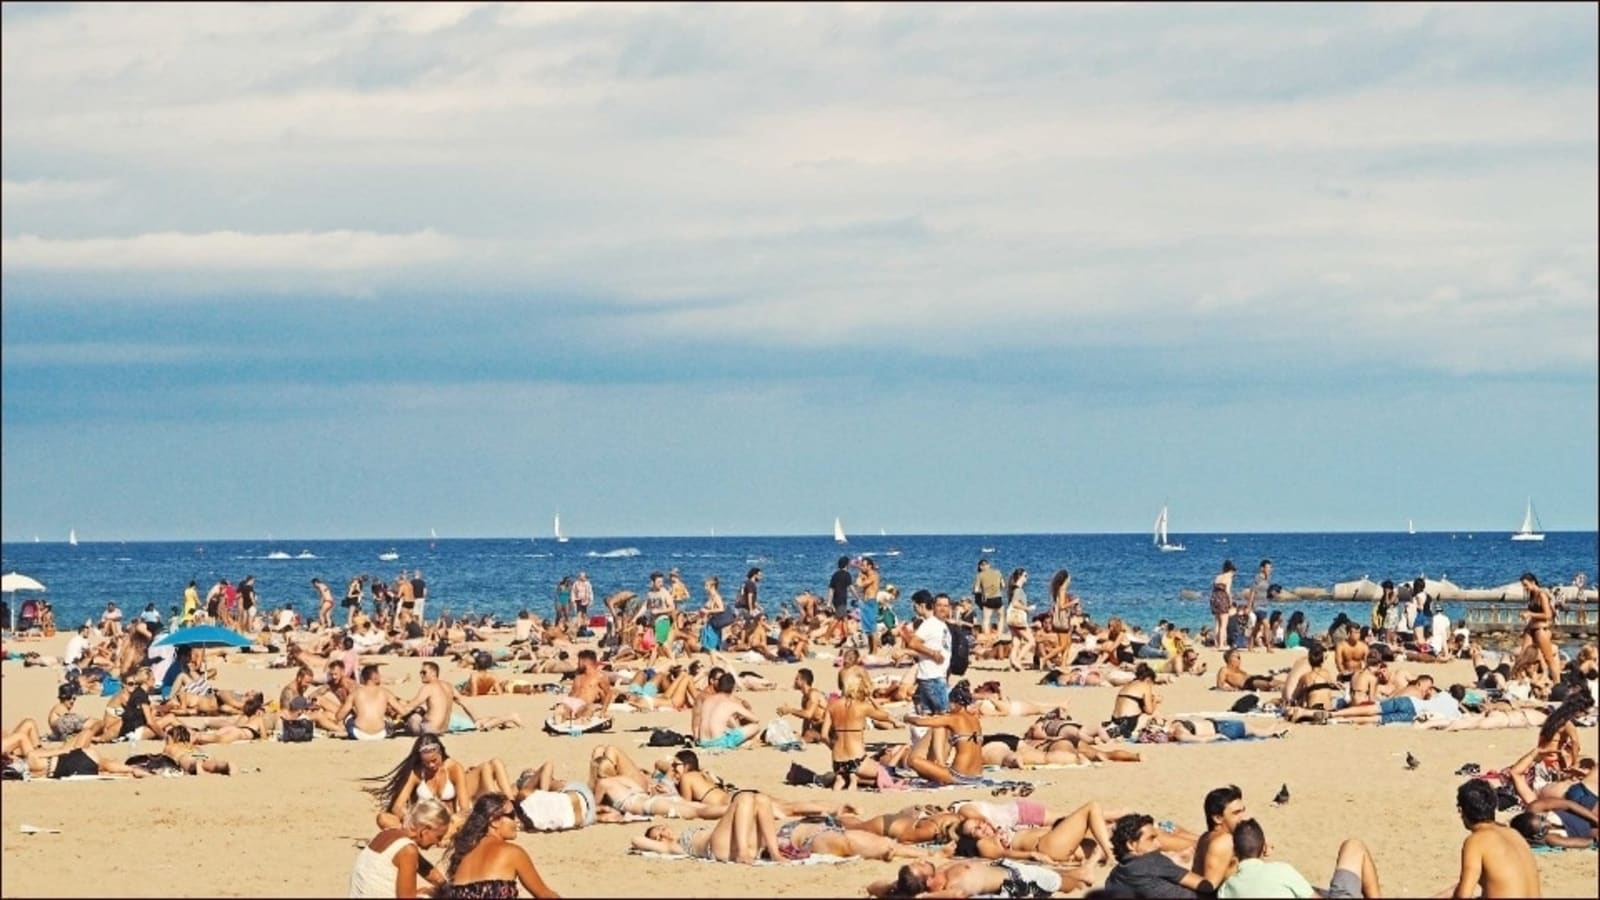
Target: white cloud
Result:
[224, 250]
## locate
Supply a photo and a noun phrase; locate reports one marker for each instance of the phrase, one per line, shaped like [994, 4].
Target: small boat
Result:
[560, 538]
[389, 555]
[892, 551]
[279, 554]
[305, 554]
[72, 537]
[838, 532]
[1160, 537]
[986, 549]
[1531, 530]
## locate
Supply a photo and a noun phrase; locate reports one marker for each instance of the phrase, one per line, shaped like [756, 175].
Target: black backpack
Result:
[960, 650]
[666, 737]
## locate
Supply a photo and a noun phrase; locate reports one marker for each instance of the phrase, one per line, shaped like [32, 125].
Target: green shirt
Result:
[1264, 878]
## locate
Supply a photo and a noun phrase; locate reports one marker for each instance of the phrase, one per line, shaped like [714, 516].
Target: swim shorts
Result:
[728, 740]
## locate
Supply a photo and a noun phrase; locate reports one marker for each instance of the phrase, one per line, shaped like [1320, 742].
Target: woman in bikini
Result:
[485, 860]
[1057, 844]
[1539, 615]
[250, 725]
[959, 730]
[178, 754]
[429, 773]
[23, 739]
[843, 727]
[1222, 600]
[1135, 700]
[1319, 689]
[920, 824]
[742, 834]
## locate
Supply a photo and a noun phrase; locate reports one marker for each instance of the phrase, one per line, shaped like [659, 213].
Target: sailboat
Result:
[72, 536]
[1531, 530]
[1160, 538]
[1411, 528]
[838, 532]
[560, 538]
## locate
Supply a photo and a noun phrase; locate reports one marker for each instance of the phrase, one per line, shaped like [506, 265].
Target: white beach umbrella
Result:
[10, 583]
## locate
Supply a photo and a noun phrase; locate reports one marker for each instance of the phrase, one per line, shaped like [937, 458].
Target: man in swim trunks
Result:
[1233, 677]
[974, 878]
[724, 721]
[365, 713]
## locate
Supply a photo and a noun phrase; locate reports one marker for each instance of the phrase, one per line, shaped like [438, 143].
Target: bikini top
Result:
[425, 791]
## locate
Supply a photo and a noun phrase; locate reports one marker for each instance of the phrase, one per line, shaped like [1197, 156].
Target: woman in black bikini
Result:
[1318, 691]
[843, 727]
[1540, 613]
[251, 725]
[1136, 700]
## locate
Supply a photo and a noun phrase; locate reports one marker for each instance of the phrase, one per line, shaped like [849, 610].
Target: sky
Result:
[364, 270]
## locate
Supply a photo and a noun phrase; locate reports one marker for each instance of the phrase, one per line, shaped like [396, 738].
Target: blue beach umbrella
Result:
[203, 636]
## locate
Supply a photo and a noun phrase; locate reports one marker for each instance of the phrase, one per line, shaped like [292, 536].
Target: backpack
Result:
[960, 650]
[297, 731]
[666, 737]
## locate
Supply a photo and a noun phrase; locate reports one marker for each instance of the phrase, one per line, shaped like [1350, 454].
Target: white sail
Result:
[72, 536]
[560, 538]
[1411, 528]
[433, 535]
[1160, 538]
[838, 532]
[1531, 530]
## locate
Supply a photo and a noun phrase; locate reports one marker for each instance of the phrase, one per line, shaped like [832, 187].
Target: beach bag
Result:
[1246, 704]
[1061, 618]
[800, 776]
[723, 619]
[1153, 734]
[960, 651]
[297, 731]
[1016, 617]
[666, 737]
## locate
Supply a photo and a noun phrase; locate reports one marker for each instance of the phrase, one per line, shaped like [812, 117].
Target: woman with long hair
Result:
[1135, 701]
[390, 864]
[485, 861]
[1222, 601]
[428, 773]
[1539, 615]
[1017, 622]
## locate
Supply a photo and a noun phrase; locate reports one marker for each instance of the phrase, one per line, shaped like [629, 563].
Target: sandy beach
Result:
[290, 821]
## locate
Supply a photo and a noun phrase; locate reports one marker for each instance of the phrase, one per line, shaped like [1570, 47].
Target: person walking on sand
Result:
[1222, 601]
[988, 589]
[839, 587]
[1494, 858]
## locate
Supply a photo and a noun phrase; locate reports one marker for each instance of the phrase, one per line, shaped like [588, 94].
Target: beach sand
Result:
[290, 821]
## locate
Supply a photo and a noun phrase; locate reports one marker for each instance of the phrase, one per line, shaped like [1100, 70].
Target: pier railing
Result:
[1574, 618]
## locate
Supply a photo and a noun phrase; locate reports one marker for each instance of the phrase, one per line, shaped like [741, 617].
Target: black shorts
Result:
[993, 602]
[352, 601]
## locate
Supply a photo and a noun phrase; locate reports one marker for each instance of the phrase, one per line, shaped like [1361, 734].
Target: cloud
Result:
[333, 251]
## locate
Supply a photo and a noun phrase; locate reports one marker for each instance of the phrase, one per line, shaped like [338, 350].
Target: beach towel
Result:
[815, 859]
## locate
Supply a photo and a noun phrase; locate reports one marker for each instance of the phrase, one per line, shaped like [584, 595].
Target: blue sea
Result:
[1115, 574]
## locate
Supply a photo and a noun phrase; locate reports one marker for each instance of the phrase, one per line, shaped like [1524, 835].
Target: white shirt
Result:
[75, 648]
[934, 634]
[1440, 636]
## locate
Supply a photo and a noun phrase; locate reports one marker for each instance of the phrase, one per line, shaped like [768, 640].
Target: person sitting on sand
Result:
[812, 708]
[723, 721]
[1354, 874]
[66, 724]
[1135, 701]
[1214, 858]
[367, 710]
[131, 715]
[1318, 691]
[485, 860]
[1233, 677]
[956, 735]
[391, 863]
[1143, 870]
[592, 690]
[430, 709]
[1059, 843]
[694, 784]
[844, 729]
[964, 878]
[1494, 859]
[427, 772]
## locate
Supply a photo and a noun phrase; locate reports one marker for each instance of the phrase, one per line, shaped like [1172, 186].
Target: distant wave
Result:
[537, 556]
[622, 553]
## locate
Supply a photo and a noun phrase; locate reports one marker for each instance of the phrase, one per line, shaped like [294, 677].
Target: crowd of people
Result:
[911, 672]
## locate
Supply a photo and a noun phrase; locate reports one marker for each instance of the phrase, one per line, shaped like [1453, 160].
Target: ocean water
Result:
[1115, 574]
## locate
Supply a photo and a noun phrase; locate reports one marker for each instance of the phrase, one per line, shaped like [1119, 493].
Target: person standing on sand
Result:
[1259, 592]
[419, 596]
[867, 586]
[931, 644]
[582, 598]
[839, 587]
[988, 590]
[1222, 601]
[1494, 858]
[659, 604]
[749, 594]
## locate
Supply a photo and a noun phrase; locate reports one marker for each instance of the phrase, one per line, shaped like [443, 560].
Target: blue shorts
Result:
[728, 740]
[869, 617]
[1397, 709]
[932, 696]
[1232, 729]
